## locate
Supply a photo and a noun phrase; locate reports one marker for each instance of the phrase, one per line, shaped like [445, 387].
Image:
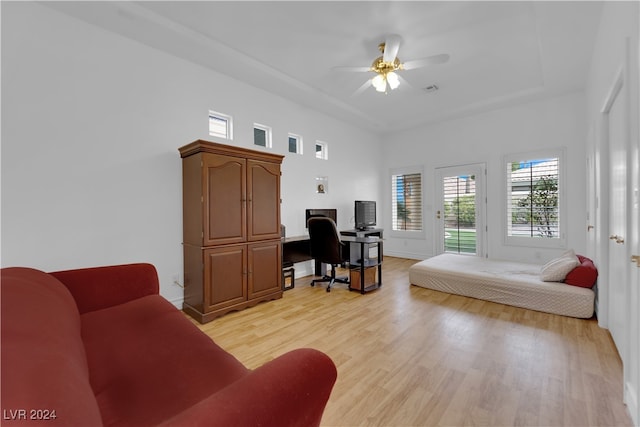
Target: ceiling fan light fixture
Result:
[379, 83]
[393, 80]
[386, 66]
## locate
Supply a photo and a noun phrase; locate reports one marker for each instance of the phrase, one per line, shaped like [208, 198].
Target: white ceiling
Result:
[501, 53]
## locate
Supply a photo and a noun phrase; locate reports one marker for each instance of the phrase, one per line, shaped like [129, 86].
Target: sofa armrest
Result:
[291, 390]
[101, 287]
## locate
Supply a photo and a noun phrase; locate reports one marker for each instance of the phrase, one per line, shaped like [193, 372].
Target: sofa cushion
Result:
[44, 366]
[584, 275]
[148, 362]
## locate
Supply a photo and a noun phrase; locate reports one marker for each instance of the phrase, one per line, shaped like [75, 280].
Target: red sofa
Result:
[99, 346]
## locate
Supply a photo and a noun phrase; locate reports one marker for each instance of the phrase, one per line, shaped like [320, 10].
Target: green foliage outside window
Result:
[540, 207]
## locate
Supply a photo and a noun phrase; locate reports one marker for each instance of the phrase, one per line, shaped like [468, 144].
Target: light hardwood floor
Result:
[409, 356]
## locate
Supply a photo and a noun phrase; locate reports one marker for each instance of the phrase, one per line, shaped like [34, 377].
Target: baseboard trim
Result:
[177, 302]
[406, 255]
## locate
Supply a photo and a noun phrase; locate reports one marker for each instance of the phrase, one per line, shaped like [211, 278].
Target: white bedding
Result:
[506, 282]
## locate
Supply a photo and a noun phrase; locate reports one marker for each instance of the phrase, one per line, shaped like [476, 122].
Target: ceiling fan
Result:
[388, 64]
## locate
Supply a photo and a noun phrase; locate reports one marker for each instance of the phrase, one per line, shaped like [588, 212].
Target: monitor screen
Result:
[330, 213]
[365, 214]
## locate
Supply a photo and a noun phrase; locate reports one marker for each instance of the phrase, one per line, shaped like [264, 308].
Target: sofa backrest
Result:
[96, 288]
[45, 378]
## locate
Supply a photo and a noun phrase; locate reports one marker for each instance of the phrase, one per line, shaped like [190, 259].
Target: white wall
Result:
[91, 125]
[486, 138]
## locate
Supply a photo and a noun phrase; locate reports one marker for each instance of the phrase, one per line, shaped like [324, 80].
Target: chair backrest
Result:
[324, 240]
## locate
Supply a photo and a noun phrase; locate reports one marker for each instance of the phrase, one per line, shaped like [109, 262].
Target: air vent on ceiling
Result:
[431, 88]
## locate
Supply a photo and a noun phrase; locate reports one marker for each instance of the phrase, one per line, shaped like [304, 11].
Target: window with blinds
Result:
[220, 125]
[406, 201]
[533, 198]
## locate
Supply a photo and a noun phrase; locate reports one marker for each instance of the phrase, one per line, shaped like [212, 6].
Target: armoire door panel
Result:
[225, 276]
[265, 260]
[225, 199]
[263, 192]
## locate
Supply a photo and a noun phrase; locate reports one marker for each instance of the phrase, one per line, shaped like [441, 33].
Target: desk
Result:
[296, 248]
[362, 270]
[355, 251]
[368, 232]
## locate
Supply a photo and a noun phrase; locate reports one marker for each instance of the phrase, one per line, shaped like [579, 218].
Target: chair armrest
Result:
[102, 287]
[289, 391]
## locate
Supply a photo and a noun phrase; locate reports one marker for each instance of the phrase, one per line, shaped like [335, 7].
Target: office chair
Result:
[326, 247]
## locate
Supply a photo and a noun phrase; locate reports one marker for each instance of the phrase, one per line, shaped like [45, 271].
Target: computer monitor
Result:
[329, 213]
[365, 214]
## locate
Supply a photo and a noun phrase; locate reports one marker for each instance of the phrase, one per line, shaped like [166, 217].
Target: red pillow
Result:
[584, 275]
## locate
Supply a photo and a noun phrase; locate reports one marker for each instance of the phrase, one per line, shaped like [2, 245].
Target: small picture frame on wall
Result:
[322, 185]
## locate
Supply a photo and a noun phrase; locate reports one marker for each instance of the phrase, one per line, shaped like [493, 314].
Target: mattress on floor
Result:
[506, 282]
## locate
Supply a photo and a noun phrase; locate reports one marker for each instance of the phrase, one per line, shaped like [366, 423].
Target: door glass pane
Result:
[459, 214]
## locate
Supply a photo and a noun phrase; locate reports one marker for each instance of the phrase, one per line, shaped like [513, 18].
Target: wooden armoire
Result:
[231, 228]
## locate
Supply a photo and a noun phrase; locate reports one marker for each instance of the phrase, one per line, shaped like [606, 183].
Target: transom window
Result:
[220, 125]
[322, 150]
[262, 135]
[295, 143]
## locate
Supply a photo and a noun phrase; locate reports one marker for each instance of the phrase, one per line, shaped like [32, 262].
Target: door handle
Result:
[613, 237]
[636, 259]
[620, 240]
[438, 215]
[590, 227]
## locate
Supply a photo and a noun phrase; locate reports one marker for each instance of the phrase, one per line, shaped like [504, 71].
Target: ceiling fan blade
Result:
[424, 62]
[391, 47]
[351, 69]
[404, 84]
[366, 85]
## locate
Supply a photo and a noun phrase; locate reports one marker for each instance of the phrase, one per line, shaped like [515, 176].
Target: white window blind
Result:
[460, 213]
[220, 125]
[533, 198]
[406, 201]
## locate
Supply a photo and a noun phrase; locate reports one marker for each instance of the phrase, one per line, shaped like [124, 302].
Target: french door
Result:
[460, 209]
